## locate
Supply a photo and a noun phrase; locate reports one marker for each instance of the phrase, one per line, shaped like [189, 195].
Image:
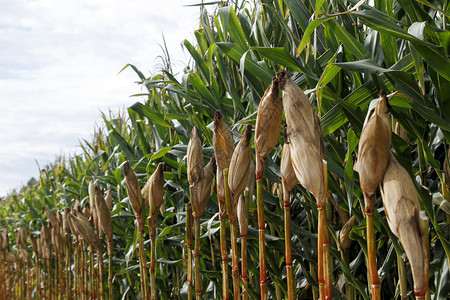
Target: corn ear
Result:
[156, 190]
[103, 213]
[402, 209]
[268, 124]
[222, 141]
[299, 112]
[242, 209]
[202, 190]
[240, 168]
[84, 228]
[374, 151]
[307, 164]
[91, 192]
[288, 177]
[344, 235]
[134, 194]
[51, 217]
[109, 199]
[194, 158]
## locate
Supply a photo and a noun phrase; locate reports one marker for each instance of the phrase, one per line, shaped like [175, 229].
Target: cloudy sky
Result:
[59, 65]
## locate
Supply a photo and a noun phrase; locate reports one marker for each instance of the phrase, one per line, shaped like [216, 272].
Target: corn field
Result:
[302, 154]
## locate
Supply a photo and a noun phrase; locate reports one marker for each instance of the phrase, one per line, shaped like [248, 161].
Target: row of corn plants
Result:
[337, 113]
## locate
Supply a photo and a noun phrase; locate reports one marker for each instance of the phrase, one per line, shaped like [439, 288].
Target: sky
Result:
[59, 68]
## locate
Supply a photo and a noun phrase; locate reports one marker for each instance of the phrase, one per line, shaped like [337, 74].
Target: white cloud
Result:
[58, 69]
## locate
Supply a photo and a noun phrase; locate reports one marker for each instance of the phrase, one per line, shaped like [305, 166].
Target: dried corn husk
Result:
[65, 222]
[46, 241]
[86, 212]
[39, 247]
[84, 228]
[402, 209]
[202, 190]
[21, 238]
[77, 205]
[95, 218]
[45, 233]
[51, 217]
[374, 151]
[134, 195]
[307, 164]
[93, 208]
[268, 124]
[103, 214]
[299, 112]
[34, 245]
[344, 235]
[240, 167]
[54, 238]
[156, 190]
[289, 180]
[91, 192]
[194, 158]
[5, 240]
[109, 199]
[222, 141]
[69, 222]
[242, 209]
[223, 150]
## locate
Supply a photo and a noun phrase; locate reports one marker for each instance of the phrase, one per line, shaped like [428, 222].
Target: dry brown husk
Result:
[134, 194]
[69, 222]
[344, 235]
[299, 113]
[268, 124]
[374, 151]
[91, 192]
[242, 210]
[77, 205]
[46, 241]
[34, 245]
[109, 199]
[103, 213]
[54, 239]
[93, 207]
[51, 217]
[223, 144]
[156, 190]
[203, 189]
[84, 228]
[307, 164]
[65, 222]
[289, 180]
[39, 246]
[21, 240]
[402, 209]
[240, 167]
[194, 158]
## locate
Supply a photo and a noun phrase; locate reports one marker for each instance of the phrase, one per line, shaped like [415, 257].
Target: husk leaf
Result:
[402, 209]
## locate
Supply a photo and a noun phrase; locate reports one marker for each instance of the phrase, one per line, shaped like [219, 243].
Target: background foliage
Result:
[342, 58]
